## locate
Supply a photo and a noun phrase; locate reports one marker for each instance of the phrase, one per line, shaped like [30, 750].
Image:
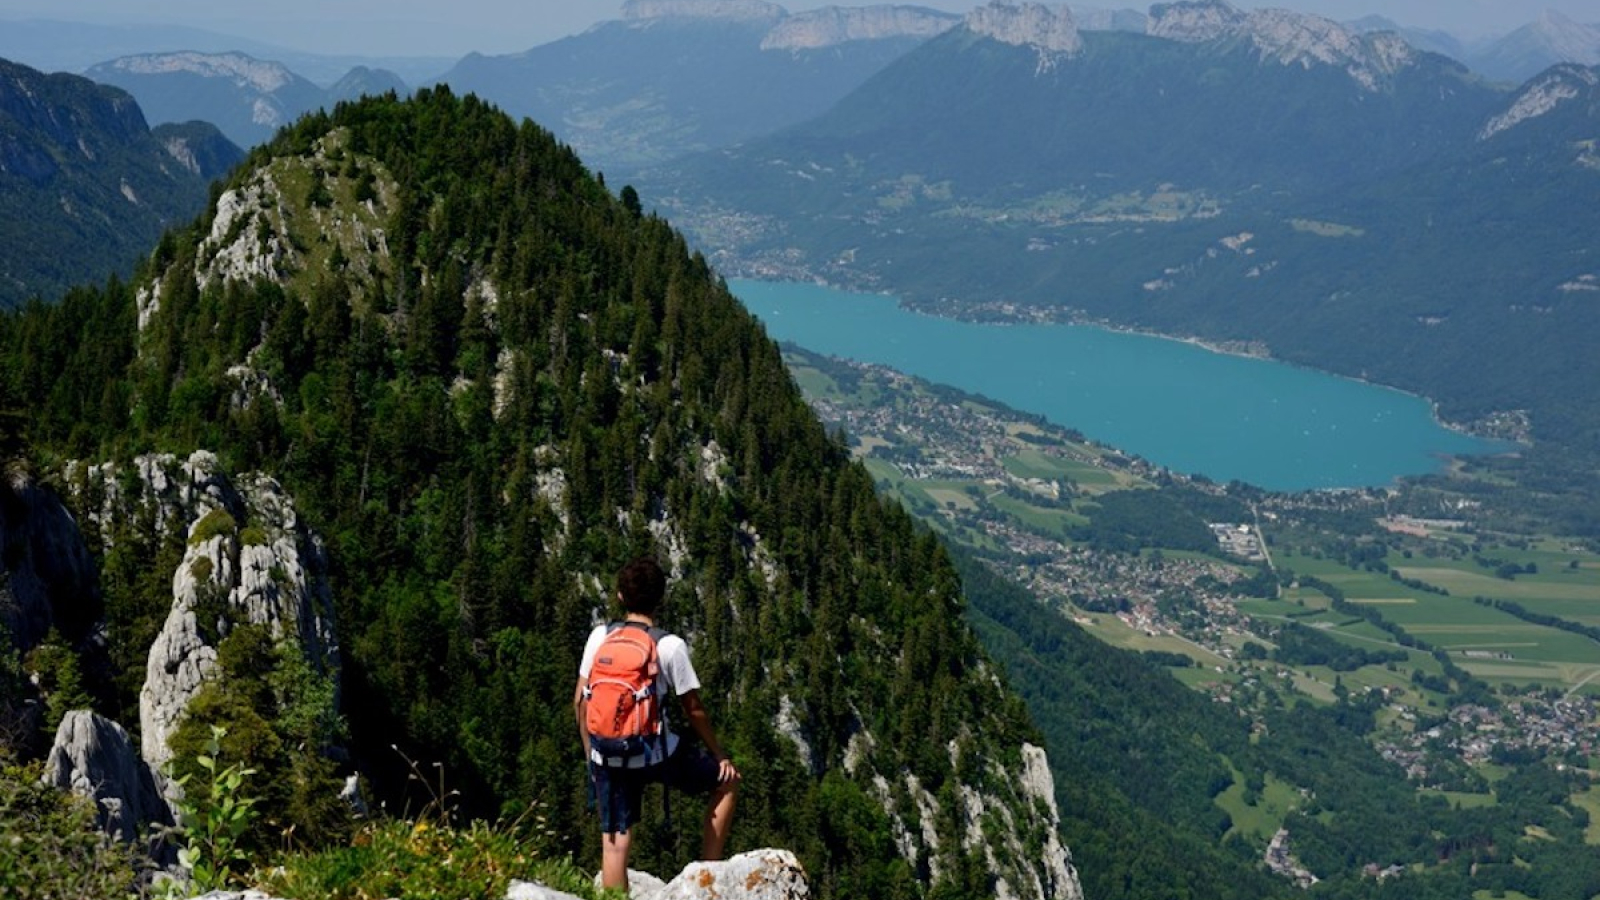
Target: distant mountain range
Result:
[249, 99]
[670, 77]
[85, 186]
[1524, 53]
[678, 76]
[56, 46]
[1358, 204]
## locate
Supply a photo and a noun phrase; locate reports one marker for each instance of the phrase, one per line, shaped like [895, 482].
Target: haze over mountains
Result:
[248, 98]
[1350, 201]
[85, 185]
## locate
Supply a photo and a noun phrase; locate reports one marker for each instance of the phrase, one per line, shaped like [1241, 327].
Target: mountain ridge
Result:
[248, 98]
[543, 383]
[86, 183]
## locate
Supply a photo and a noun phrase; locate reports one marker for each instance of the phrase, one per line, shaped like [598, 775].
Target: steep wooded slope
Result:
[486, 383]
[85, 188]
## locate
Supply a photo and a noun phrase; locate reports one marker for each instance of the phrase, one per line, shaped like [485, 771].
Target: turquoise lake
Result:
[1174, 403]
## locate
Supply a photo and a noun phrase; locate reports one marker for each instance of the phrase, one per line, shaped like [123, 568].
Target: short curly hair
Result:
[642, 585]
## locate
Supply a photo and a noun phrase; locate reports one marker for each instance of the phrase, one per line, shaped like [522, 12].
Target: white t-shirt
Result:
[676, 671]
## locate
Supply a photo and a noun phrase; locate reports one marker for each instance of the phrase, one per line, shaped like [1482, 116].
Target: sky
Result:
[454, 27]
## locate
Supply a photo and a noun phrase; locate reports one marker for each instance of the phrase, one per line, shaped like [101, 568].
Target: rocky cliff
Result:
[84, 186]
[1050, 29]
[248, 560]
[247, 98]
[1288, 38]
[93, 756]
[737, 10]
[837, 25]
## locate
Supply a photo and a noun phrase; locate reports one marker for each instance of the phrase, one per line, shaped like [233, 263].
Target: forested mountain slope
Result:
[485, 383]
[85, 188]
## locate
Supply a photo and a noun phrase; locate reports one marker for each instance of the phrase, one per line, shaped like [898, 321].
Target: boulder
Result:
[758, 875]
[94, 757]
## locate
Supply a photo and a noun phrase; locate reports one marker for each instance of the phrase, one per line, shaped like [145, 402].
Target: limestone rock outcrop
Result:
[833, 25]
[1050, 29]
[740, 10]
[247, 559]
[1542, 95]
[1289, 38]
[767, 874]
[757, 875]
[93, 756]
[1019, 797]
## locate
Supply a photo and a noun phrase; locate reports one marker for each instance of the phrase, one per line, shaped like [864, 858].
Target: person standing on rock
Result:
[629, 668]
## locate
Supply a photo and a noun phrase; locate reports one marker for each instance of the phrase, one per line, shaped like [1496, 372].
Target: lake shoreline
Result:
[1007, 313]
[1288, 427]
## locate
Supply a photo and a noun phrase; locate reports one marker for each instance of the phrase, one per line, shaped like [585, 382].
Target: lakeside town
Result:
[952, 458]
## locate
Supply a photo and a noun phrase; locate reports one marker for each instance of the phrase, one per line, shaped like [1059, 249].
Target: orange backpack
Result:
[623, 708]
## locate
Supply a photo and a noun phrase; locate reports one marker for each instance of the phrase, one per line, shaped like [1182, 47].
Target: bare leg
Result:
[719, 819]
[614, 860]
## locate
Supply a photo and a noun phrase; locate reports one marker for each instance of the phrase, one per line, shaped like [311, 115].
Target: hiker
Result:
[628, 670]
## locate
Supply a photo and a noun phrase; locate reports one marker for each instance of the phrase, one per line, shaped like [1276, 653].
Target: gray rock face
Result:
[740, 10]
[767, 874]
[1289, 38]
[757, 875]
[48, 576]
[248, 559]
[92, 756]
[1020, 799]
[1542, 95]
[1058, 878]
[1051, 29]
[833, 25]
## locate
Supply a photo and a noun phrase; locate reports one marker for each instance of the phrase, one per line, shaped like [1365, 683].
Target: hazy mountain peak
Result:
[1049, 28]
[832, 25]
[1291, 38]
[1194, 21]
[1096, 19]
[739, 10]
[242, 69]
[1542, 95]
[1550, 39]
[1569, 40]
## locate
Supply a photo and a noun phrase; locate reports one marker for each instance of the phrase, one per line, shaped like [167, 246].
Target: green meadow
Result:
[1488, 642]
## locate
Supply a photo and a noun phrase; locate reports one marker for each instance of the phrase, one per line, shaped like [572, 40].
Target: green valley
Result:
[1373, 608]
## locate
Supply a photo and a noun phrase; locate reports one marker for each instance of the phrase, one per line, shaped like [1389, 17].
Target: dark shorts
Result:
[618, 792]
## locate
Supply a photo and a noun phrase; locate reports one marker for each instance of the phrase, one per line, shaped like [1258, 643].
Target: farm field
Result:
[1265, 815]
[1488, 642]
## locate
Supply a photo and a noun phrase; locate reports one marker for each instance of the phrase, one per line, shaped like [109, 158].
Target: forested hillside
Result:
[85, 187]
[486, 383]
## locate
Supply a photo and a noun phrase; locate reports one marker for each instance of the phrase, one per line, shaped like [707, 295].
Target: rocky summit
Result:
[1050, 29]
[834, 25]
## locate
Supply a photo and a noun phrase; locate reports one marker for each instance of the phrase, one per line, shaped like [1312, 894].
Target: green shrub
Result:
[51, 847]
[214, 523]
[213, 818]
[423, 859]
